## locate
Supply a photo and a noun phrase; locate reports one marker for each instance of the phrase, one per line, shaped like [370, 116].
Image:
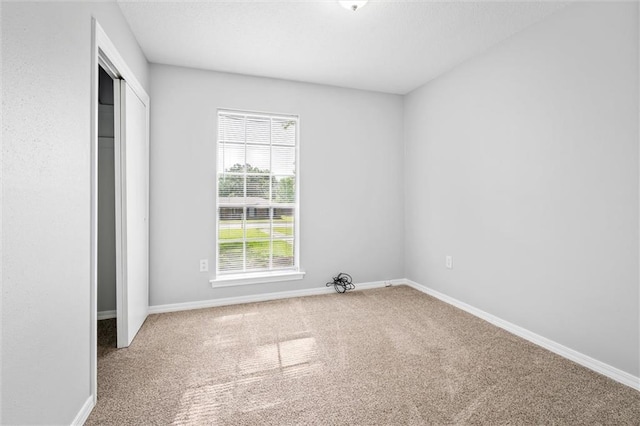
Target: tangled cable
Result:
[342, 283]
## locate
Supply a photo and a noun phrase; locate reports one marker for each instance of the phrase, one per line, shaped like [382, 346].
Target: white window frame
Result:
[228, 279]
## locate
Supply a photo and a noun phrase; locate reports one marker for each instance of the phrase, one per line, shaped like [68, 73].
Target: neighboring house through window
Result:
[257, 195]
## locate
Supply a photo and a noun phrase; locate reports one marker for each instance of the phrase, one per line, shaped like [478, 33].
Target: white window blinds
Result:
[256, 196]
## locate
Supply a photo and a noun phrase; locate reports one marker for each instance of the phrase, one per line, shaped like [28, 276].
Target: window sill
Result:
[261, 278]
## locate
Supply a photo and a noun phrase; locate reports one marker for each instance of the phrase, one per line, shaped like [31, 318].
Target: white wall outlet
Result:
[449, 262]
[204, 265]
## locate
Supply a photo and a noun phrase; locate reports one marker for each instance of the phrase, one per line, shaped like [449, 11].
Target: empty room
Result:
[323, 212]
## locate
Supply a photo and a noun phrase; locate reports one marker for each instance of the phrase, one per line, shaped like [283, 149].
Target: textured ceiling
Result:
[387, 46]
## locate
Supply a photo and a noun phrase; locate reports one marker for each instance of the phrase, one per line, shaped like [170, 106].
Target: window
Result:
[257, 201]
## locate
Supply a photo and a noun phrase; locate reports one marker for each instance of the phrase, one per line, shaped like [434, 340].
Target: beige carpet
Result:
[376, 357]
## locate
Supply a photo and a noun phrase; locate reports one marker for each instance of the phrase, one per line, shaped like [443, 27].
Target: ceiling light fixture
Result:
[352, 5]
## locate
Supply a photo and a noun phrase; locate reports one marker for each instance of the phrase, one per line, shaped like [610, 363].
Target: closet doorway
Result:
[119, 197]
[106, 199]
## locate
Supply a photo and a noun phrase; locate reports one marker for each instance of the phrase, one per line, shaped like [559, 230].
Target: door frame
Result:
[105, 54]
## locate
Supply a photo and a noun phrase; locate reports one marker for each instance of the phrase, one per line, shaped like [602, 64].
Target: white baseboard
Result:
[103, 315]
[84, 412]
[173, 307]
[573, 355]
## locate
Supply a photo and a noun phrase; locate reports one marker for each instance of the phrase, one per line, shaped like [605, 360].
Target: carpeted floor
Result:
[375, 357]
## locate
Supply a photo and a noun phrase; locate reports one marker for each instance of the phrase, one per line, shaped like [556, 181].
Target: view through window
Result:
[256, 192]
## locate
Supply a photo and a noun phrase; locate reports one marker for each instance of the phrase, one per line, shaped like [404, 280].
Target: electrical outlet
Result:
[204, 265]
[449, 262]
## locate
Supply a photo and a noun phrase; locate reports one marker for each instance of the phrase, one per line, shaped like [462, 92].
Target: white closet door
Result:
[132, 212]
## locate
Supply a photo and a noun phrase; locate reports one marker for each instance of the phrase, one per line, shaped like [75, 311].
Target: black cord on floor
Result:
[342, 283]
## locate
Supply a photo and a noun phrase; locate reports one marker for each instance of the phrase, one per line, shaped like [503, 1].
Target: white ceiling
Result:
[387, 46]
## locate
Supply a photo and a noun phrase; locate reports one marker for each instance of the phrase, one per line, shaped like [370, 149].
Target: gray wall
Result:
[523, 164]
[351, 179]
[106, 211]
[46, 135]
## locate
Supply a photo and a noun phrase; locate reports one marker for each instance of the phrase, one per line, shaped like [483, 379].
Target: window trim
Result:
[228, 279]
[232, 280]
